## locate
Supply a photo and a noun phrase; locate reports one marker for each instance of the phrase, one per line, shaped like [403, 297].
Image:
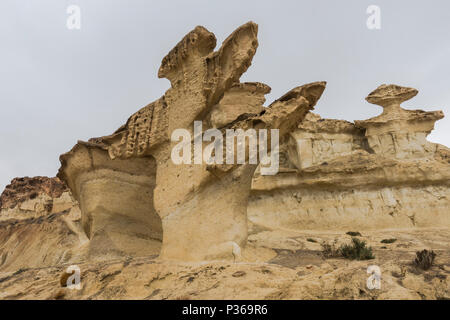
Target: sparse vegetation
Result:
[354, 233]
[357, 250]
[311, 240]
[424, 259]
[388, 240]
[330, 250]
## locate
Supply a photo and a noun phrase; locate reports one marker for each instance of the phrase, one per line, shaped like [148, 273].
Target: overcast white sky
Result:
[59, 85]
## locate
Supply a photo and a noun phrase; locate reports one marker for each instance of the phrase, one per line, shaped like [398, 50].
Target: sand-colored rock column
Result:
[116, 201]
[203, 207]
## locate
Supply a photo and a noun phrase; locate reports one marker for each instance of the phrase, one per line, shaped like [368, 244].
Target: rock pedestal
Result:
[116, 201]
[399, 133]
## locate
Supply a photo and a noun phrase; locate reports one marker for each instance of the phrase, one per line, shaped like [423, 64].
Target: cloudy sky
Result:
[58, 86]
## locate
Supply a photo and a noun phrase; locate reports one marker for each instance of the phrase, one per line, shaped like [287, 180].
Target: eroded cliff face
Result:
[280, 264]
[318, 140]
[33, 197]
[372, 174]
[40, 225]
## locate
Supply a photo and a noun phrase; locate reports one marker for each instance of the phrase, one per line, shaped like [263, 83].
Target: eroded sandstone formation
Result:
[33, 197]
[39, 225]
[116, 200]
[373, 174]
[399, 133]
[318, 140]
[132, 195]
[247, 97]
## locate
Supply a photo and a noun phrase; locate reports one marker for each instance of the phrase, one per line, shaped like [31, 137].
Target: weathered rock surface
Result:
[131, 193]
[399, 133]
[37, 195]
[40, 242]
[116, 201]
[320, 140]
[276, 265]
[372, 174]
[241, 98]
[39, 224]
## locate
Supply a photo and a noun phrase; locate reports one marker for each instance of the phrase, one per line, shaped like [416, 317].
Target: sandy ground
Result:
[281, 264]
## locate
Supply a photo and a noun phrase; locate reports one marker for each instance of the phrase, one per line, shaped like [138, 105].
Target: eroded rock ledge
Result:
[23, 189]
[371, 174]
[29, 197]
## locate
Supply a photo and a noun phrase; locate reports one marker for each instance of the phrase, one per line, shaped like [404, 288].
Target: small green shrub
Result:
[424, 259]
[388, 240]
[356, 250]
[330, 250]
[311, 240]
[354, 233]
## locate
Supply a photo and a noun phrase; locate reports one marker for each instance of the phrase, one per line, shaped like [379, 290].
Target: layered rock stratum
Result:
[139, 226]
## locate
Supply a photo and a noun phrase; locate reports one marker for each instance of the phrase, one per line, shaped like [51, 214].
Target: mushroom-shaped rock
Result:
[397, 132]
[391, 95]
